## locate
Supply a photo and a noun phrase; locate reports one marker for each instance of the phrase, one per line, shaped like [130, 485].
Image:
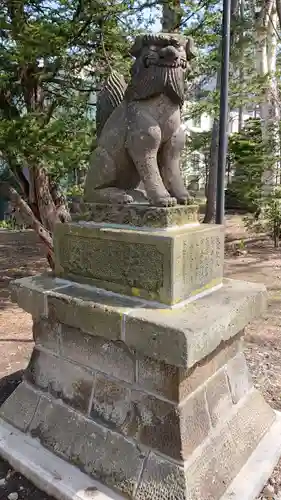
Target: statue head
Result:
[161, 65]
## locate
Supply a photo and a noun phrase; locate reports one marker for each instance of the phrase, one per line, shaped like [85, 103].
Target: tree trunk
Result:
[171, 15]
[29, 218]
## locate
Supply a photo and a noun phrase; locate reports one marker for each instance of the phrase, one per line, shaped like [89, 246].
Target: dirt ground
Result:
[22, 255]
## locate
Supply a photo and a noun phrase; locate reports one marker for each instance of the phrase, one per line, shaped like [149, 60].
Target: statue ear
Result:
[137, 47]
[190, 49]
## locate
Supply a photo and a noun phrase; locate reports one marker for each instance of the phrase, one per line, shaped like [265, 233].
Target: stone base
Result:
[141, 215]
[153, 403]
[167, 267]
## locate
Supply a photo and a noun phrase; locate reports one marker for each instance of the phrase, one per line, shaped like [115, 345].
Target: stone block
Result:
[227, 451]
[165, 266]
[30, 293]
[20, 407]
[218, 397]
[239, 377]
[158, 377]
[190, 380]
[72, 383]
[139, 214]
[111, 404]
[102, 454]
[172, 430]
[90, 310]
[112, 358]
[195, 422]
[161, 480]
[184, 336]
[46, 333]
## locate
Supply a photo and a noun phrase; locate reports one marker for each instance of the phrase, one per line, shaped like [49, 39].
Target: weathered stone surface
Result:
[158, 377]
[129, 149]
[101, 453]
[239, 377]
[111, 402]
[46, 333]
[161, 480]
[139, 214]
[155, 423]
[182, 336]
[165, 266]
[190, 380]
[112, 358]
[218, 397]
[61, 378]
[30, 293]
[228, 450]
[20, 407]
[185, 335]
[195, 422]
[90, 310]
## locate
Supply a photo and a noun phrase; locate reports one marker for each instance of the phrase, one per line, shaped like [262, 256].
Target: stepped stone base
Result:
[154, 403]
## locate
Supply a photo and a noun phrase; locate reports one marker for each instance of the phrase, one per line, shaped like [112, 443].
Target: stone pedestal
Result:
[154, 401]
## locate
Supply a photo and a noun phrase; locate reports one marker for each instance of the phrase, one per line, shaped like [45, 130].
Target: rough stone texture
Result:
[20, 407]
[181, 337]
[190, 380]
[111, 403]
[228, 450]
[90, 310]
[195, 422]
[161, 480]
[218, 397]
[139, 214]
[141, 135]
[239, 377]
[30, 293]
[101, 453]
[113, 358]
[165, 266]
[62, 379]
[158, 377]
[174, 419]
[184, 336]
[47, 333]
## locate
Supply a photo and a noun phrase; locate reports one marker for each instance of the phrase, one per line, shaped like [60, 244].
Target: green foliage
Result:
[272, 215]
[53, 56]
[248, 155]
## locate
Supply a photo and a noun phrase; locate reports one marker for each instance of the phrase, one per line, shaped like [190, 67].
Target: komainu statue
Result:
[140, 136]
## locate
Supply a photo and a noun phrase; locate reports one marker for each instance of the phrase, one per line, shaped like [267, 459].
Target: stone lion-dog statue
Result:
[140, 136]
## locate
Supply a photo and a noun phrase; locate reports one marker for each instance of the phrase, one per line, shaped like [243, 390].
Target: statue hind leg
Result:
[100, 180]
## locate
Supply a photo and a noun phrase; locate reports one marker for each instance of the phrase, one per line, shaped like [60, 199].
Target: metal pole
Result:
[223, 125]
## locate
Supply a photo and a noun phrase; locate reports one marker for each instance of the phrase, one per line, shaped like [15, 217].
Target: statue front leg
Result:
[143, 141]
[169, 163]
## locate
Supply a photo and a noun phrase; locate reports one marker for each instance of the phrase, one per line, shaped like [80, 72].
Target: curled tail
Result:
[109, 98]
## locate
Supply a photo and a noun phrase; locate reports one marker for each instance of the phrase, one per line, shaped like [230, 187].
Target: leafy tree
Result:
[248, 155]
[52, 58]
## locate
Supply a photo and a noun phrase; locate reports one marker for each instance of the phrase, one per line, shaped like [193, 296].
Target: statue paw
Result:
[166, 201]
[127, 199]
[184, 199]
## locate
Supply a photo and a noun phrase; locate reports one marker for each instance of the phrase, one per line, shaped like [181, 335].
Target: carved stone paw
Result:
[126, 199]
[184, 198]
[166, 201]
